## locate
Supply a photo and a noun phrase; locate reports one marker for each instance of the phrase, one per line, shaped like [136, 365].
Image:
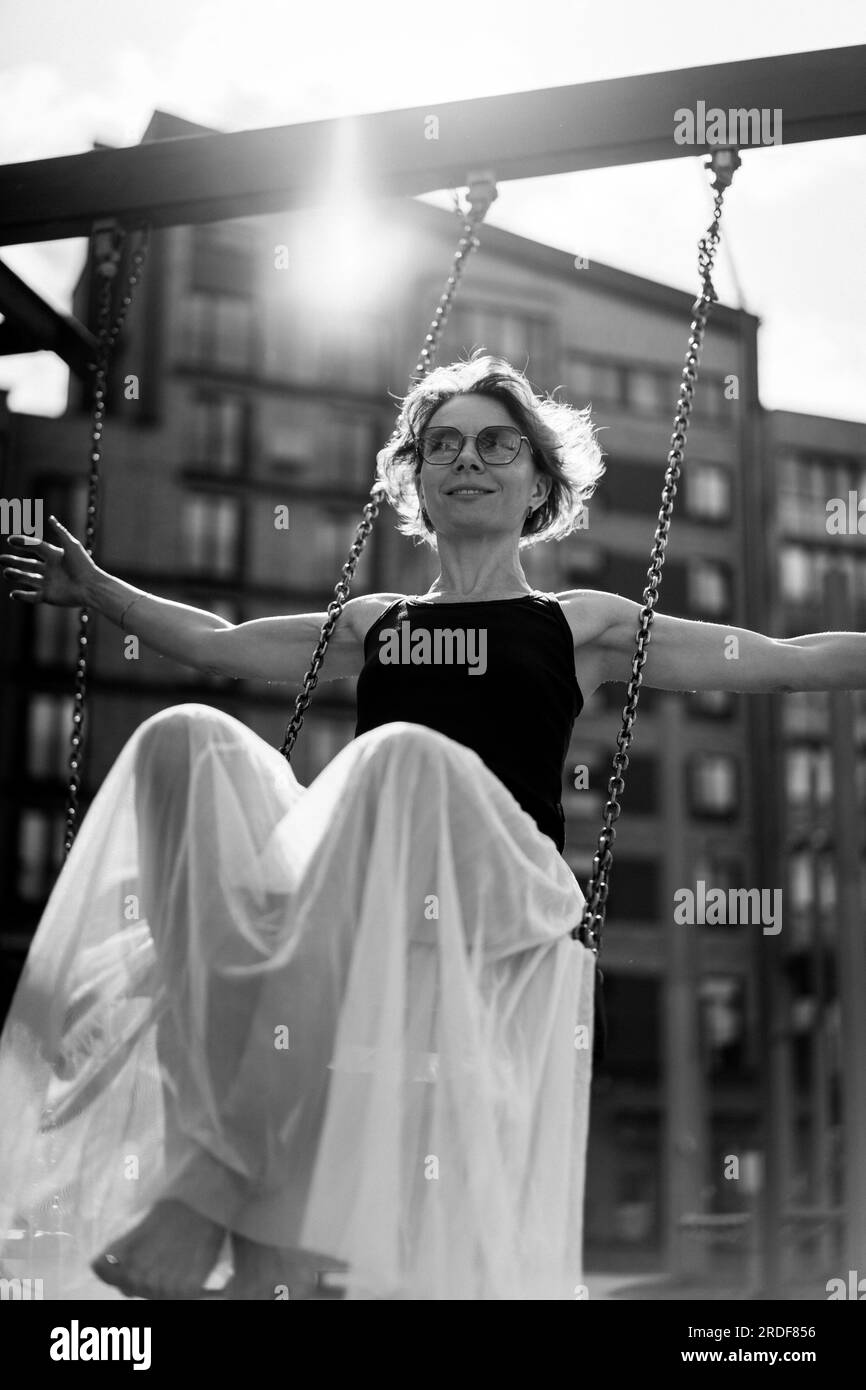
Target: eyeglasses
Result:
[496, 444]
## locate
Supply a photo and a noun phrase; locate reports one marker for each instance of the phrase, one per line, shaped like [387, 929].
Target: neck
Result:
[468, 570]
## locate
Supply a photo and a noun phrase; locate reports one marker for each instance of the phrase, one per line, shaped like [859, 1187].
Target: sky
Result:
[77, 71]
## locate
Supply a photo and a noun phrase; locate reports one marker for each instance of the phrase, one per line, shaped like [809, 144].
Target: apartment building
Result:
[817, 473]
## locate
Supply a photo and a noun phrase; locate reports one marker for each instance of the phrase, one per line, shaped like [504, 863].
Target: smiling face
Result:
[470, 497]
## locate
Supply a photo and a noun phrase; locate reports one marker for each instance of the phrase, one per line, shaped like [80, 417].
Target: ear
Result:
[424, 517]
[541, 490]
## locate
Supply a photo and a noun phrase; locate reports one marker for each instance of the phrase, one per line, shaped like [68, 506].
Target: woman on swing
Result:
[343, 1027]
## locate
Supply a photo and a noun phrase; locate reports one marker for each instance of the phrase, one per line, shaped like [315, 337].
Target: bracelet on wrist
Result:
[128, 606]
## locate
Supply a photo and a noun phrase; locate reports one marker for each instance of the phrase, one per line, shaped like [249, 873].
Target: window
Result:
[349, 450]
[291, 447]
[217, 432]
[827, 882]
[339, 447]
[707, 492]
[805, 712]
[842, 475]
[333, 537]
[579, 379]
[218, 331]
[717, 868]
[352, 348]
[633, 1007]
[712, 404]
[598, 761]
[585, 563]
[40, 852]
[595, 380]
[723, 1024]
[627, 575]
[222, 258]
[646, 391]
[522, 338]
[634, 890]
[801, 880]
[712, 704]
[713, 784]
[797, 575]
[56, 633]
[811, 873]
[633, 487]
[798, 517]
[800, 476]
[310, 555]
[66, 497]
[709, 588]
[802, 571]
[49, 728]
[641, 780]
[808, 773]
[798, 764]
[641, 785]
[211, 534]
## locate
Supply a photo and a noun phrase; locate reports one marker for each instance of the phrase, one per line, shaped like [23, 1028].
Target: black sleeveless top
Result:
[497, 675]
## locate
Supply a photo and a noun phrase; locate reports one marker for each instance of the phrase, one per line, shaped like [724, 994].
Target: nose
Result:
[469, 455]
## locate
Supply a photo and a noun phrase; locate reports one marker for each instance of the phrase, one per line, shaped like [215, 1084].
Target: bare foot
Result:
[263, 1271]
[169, 1254]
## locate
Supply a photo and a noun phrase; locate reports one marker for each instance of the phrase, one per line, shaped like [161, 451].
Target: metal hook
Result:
[108, 237]
[482, 188]
[724, 162]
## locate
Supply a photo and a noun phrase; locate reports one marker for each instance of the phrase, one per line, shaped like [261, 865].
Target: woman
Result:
[341, 1028]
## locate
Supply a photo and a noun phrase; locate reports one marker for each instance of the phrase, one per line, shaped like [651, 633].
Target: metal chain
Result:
[723, 163]
[108, 238]
[482, 192]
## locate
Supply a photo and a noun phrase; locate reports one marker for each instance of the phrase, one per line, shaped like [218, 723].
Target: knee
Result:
[167, 738]
[402, 739]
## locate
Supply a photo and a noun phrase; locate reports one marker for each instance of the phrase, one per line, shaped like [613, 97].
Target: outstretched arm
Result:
[687, 655]
[269, 649]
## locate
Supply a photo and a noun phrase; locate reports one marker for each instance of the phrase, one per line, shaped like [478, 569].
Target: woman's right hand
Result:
[56, 574]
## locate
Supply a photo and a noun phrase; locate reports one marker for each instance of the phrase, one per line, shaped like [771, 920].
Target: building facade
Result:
[819, 481]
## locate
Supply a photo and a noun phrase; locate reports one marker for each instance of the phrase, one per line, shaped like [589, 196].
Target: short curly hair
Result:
[562, 440]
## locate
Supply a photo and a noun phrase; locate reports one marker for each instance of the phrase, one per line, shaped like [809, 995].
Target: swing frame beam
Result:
[520, 135]
[213, 177]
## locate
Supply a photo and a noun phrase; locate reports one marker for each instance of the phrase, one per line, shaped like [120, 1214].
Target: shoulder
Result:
[589, 612]
[593, 616]
[360, 613]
